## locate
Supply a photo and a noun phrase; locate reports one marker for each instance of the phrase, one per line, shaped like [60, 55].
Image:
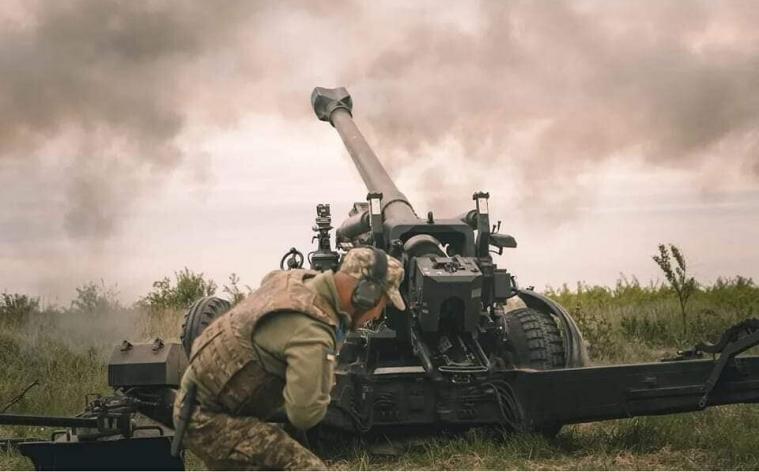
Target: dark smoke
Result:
[111, 81]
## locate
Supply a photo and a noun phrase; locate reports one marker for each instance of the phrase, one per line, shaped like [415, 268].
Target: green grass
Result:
[67, 365]
[720, 438]
[633, 323]
[66, 351]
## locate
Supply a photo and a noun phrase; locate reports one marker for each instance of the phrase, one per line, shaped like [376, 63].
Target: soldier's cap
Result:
[359, 263]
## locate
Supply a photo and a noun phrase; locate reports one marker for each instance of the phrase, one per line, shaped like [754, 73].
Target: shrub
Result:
[95, 298]
[15, 308]
[735, 294]
[597, 331]
[187, 287]
[646, 329]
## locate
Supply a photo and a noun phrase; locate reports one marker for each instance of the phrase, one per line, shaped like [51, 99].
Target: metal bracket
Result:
[730, 345]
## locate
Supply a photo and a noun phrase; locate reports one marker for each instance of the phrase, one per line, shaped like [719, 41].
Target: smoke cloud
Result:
[111, 85]
[545, 89]
[97, 97]
[549, 90]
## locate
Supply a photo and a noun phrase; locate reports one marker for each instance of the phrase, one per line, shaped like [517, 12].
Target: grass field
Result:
[65, 351]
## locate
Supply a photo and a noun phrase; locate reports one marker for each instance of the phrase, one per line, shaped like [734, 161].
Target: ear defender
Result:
[370, 290]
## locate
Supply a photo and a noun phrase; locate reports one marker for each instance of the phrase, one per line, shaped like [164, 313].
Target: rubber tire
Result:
[536, 343]
[198, 317]
[535, 339]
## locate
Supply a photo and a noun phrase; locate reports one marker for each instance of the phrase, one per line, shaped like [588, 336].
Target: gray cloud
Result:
[114, 80]
[559, 87]
[533, 93]
[555, 87]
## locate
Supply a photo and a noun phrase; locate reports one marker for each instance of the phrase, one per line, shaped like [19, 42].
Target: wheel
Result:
[535, 339]
[536, 343]
[198, 317]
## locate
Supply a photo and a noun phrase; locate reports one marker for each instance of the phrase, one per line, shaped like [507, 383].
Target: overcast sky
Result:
[137, 138]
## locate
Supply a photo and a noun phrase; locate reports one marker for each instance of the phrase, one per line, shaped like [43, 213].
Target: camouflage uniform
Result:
[266, 352]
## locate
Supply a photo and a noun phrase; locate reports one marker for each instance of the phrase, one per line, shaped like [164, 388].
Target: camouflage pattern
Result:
[359, 263]
[224, 360]
[235, 393]
[226, 442]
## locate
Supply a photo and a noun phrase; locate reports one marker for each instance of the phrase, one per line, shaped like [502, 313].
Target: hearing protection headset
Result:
[370, 290]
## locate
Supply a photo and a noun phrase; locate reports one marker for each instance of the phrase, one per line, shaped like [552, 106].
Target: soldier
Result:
[276, 347]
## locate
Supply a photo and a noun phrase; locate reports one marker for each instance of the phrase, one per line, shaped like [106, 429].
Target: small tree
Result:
[677, 276]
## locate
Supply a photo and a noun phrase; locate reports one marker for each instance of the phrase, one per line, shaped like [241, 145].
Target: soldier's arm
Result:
[310, 365]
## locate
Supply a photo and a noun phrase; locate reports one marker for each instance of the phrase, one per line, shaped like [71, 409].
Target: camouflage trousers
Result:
[227, 442]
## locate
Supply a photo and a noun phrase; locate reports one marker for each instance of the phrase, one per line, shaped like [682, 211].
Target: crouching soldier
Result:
[277, 347]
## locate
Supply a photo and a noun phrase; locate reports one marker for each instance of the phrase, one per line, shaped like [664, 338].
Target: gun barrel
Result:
[335, 106]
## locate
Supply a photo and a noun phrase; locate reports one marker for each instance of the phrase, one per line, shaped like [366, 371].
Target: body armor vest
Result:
[224, 359]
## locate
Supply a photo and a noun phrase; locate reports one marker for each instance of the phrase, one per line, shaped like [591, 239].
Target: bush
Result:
[95, 298]
[186, 288]
[736, 294]
[16, 308]
[614, 320]
[647, 329]
[597, 331]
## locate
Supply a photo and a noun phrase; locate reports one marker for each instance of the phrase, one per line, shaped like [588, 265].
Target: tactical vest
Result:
[224, 359]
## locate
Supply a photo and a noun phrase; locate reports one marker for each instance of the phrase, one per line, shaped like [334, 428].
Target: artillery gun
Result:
[456, 358]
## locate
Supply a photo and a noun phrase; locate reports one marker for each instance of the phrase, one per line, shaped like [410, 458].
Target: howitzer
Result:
[456, 358]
